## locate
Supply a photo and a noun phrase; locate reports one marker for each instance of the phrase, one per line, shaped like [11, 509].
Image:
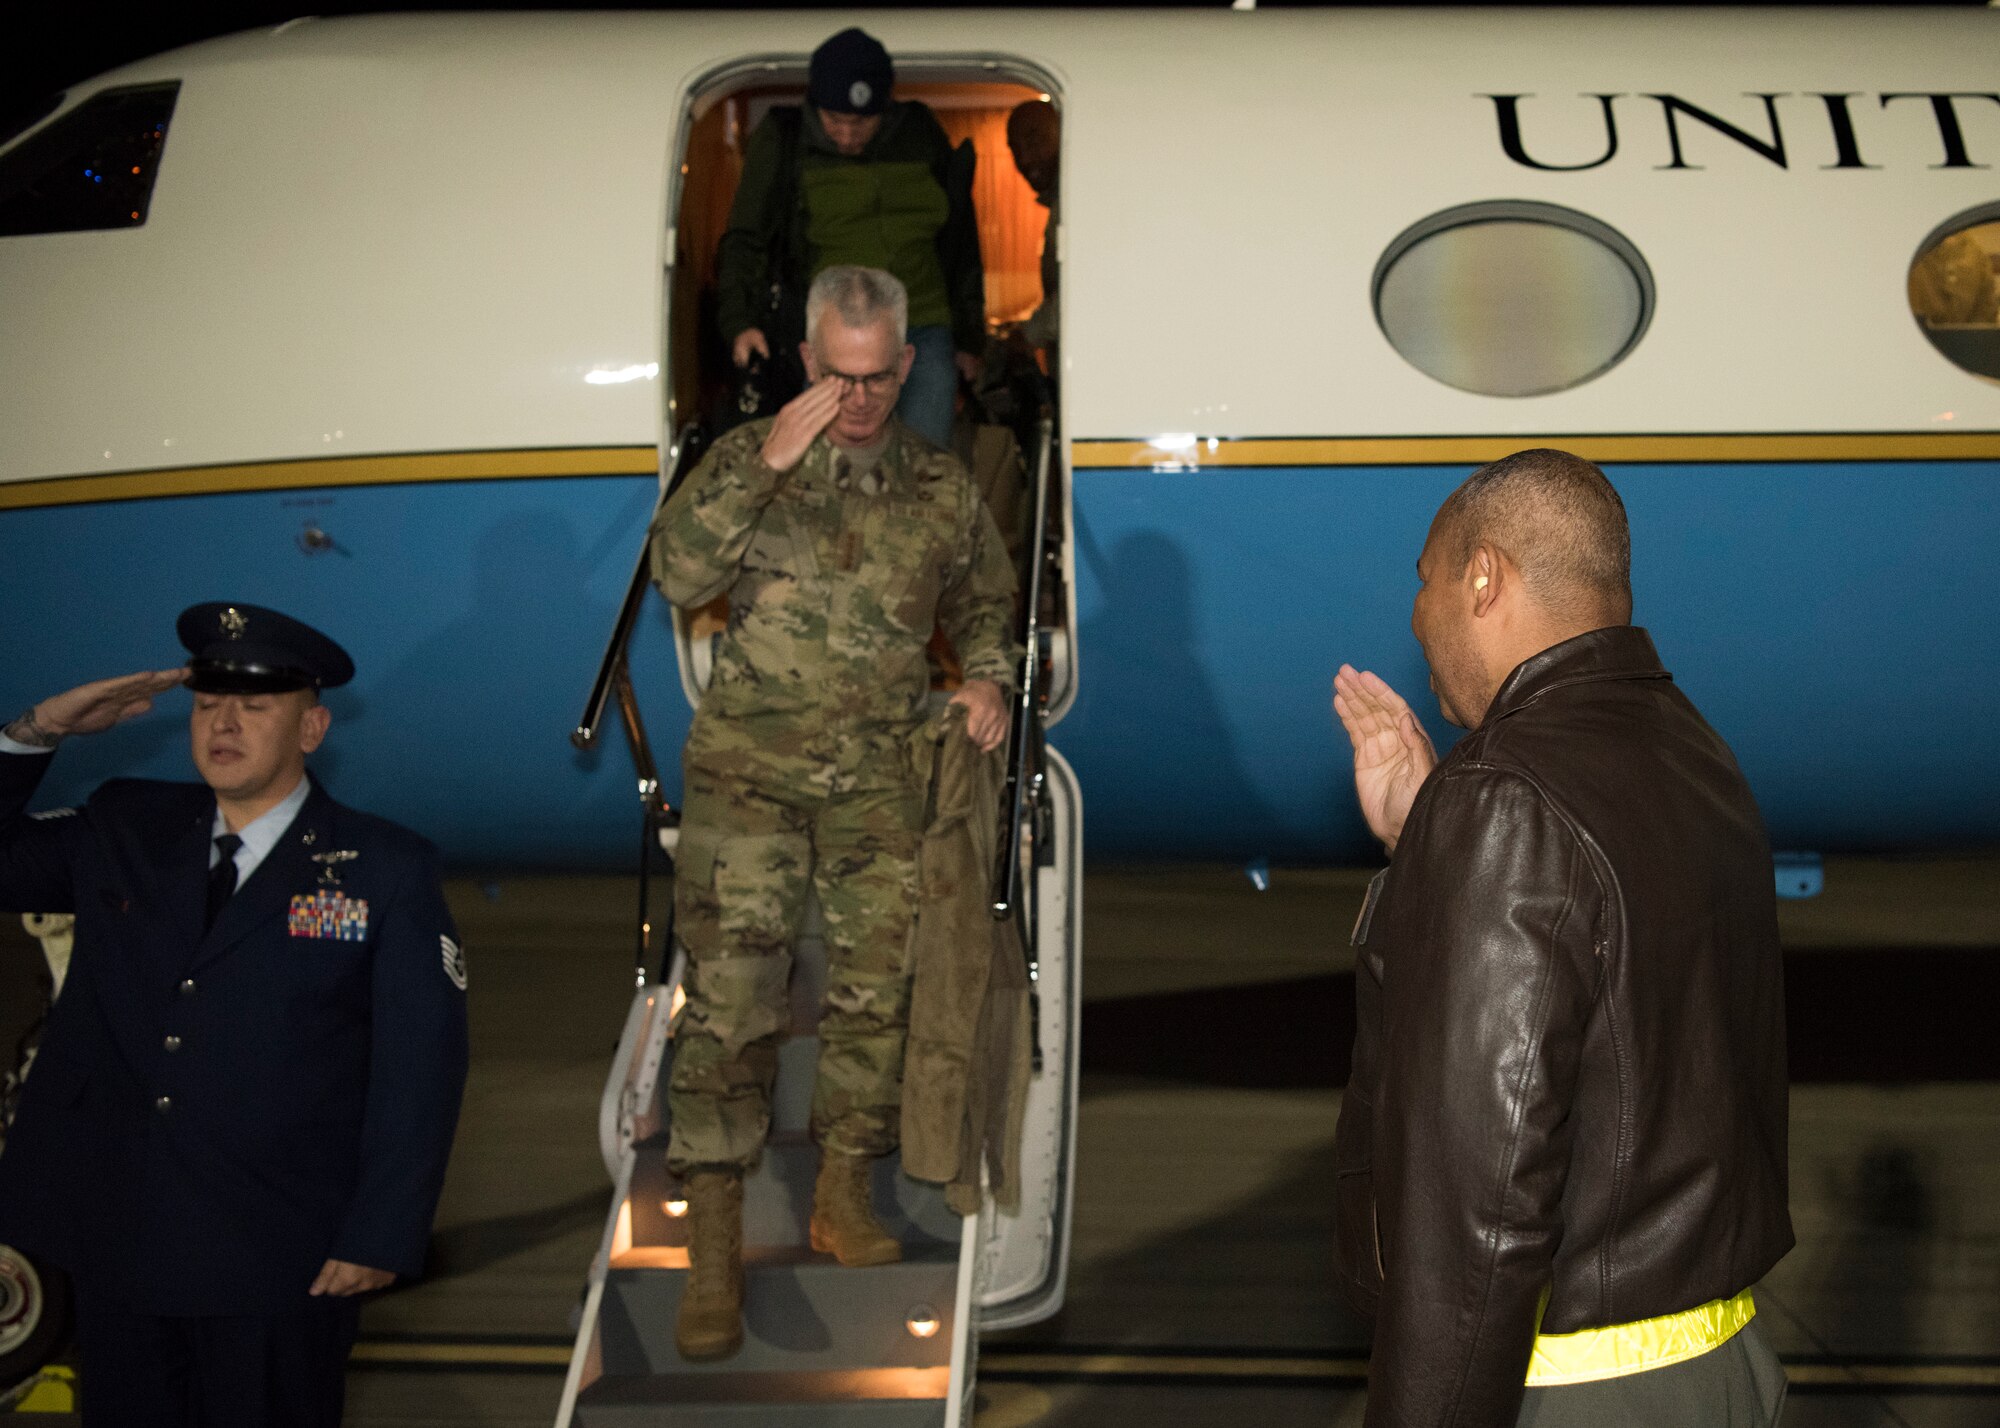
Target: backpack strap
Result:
[785, 317]
[789, 120]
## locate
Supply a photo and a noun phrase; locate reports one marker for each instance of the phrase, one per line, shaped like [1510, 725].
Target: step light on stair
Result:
[879, 1386]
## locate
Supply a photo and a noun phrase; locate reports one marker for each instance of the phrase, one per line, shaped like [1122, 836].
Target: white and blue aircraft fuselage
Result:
[391, 349]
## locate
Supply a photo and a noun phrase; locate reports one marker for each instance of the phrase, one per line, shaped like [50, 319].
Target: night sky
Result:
[46, 45]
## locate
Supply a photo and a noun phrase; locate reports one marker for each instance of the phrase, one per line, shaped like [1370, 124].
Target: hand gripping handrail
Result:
[1023, 790]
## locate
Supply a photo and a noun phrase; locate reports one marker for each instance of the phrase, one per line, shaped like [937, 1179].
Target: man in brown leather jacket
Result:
[1561, 1153]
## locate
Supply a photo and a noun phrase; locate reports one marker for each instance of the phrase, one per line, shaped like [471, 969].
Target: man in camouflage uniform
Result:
[842, 539]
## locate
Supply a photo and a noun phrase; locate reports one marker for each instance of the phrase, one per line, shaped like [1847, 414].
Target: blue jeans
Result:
[932, 390]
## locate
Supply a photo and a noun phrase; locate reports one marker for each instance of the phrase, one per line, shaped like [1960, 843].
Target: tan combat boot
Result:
[711, 1318]
[843, 1218]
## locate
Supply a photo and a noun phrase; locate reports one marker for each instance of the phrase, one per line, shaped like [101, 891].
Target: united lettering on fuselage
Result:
[1763, 136]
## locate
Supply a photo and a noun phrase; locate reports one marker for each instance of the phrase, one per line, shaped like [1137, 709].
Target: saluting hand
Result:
[97, 706]
[798, 422]
[1392, 753]
[339, 1279]
[986, 713]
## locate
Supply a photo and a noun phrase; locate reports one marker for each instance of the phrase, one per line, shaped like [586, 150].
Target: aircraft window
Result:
[1512, 299]
[1955, 291]
[93, 168]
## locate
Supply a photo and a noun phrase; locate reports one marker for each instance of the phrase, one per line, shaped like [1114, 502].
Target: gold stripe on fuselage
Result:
[1476, 450]
[551, 463]
[319, 473]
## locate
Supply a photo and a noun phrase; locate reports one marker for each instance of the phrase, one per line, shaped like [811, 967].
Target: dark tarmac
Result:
[1217, 1024]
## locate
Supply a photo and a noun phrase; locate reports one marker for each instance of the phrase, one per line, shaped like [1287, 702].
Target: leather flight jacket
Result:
[1569, 1070]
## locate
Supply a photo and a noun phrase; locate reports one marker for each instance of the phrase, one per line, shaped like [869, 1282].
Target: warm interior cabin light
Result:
[675, 1207]
[922, 1322]
[680, 1000]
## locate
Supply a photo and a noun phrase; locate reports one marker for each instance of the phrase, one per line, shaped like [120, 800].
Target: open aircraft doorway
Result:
[894, 1343]
[1020, 383]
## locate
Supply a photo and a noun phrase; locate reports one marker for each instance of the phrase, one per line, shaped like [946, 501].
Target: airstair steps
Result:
[823, 1344]
[809, 1315]
[777, 1199]
[862, 1398]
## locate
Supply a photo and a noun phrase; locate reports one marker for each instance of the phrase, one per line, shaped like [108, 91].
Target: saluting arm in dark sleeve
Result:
[976, 608]
[701, 533]
[1483, 1023]
[416, 1076]
[35, 853]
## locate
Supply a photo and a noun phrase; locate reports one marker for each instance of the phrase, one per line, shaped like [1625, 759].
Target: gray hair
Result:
[861, 296]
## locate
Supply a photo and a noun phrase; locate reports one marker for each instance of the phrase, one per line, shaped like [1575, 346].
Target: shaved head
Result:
[1034, 126]
[1034, 135]
[1560, 522]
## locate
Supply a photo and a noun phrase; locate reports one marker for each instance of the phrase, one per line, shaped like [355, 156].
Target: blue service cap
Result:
[850, 74]
[246, 649]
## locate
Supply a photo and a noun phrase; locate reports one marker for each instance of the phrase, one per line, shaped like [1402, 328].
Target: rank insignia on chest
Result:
[330, 914]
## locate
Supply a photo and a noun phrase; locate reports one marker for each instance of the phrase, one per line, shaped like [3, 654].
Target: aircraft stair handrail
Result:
[1023, 793]
[614, 679]
[681, 457]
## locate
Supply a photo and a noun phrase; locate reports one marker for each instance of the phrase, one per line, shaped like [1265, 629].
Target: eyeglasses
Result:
[876, 384]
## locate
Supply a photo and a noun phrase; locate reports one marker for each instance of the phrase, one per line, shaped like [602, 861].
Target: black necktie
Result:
[222, 877]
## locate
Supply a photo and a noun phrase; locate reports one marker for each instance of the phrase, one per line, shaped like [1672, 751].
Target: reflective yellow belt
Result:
[1619, 1349]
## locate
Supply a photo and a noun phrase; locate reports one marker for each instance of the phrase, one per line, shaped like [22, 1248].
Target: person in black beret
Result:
[240, 1115]
[855, 177]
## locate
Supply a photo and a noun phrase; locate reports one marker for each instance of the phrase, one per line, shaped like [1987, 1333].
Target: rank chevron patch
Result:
[454, 961]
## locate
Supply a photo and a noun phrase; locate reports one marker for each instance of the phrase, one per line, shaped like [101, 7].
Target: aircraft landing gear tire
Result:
[34, 1315]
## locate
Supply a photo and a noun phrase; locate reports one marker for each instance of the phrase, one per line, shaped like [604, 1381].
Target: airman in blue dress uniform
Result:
[245, 1098]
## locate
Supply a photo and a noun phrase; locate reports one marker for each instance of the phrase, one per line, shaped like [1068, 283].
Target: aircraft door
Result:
[981, 103]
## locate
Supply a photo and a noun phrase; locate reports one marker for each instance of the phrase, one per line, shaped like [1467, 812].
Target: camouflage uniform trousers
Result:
[760, 825]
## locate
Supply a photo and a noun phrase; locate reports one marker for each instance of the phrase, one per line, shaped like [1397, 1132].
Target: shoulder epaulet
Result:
[48, 813]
